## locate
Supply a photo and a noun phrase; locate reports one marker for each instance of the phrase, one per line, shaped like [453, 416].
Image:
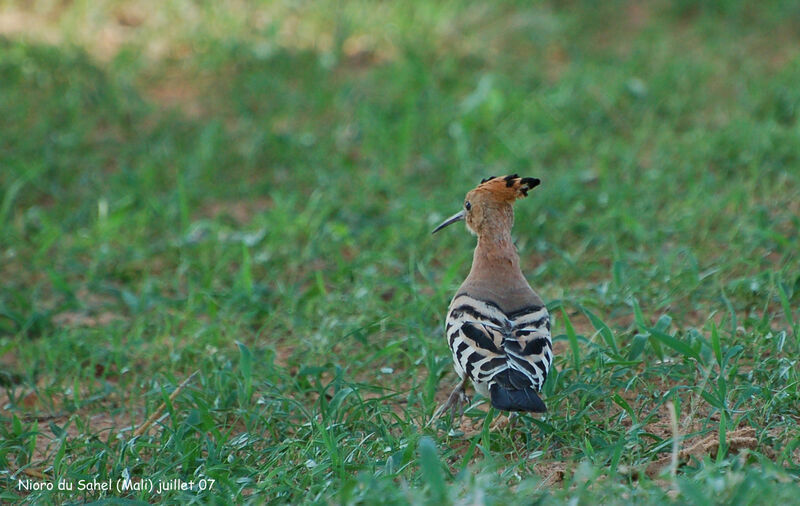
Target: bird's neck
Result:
[496, 255]
[496, 275]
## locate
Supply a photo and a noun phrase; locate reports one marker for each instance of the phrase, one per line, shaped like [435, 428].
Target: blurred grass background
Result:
[248, 189]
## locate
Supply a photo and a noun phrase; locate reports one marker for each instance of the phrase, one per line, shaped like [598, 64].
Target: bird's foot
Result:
[458, 401]
[504, 421]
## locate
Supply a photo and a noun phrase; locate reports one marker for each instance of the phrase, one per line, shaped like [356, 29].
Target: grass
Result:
[248, 192]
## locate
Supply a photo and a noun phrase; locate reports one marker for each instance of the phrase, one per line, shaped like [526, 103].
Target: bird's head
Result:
[488, 207]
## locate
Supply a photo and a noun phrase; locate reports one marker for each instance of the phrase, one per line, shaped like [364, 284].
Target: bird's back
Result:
[499, 335]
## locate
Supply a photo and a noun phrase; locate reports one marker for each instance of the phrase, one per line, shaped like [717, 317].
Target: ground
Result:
[217, 262]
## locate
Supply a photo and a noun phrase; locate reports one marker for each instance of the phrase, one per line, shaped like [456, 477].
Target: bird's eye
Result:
[467, 205]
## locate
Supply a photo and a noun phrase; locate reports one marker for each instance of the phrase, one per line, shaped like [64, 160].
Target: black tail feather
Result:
[516, 400]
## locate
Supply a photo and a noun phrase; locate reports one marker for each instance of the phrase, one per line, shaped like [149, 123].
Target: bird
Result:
[497, 327]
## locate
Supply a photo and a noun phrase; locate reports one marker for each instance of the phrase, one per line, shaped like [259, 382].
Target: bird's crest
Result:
[507, 188]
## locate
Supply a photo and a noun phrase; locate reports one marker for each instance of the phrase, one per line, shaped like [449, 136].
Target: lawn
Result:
[217, 265]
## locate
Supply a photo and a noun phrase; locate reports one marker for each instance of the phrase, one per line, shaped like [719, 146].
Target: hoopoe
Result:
[497, 327]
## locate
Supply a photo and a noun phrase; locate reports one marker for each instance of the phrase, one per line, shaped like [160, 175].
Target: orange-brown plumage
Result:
[505, 189]
[489, 205]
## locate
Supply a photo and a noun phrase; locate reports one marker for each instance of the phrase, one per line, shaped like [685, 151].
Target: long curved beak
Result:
[449, 221]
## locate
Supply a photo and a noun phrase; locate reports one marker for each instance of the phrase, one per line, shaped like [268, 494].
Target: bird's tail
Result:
[524, 399]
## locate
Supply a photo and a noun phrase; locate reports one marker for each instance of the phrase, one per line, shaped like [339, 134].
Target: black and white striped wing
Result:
[489, 346]
[476, 331]
[529, 348]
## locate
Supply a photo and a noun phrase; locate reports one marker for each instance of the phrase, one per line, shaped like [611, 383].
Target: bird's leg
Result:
[504, 421]
[458, 400]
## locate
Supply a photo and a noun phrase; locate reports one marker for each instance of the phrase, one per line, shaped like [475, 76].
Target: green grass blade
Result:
[573, 340]
[715, 345]
[676, 344]
[246, 369]
[606, 332]
[787, 309]
[431, 469]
